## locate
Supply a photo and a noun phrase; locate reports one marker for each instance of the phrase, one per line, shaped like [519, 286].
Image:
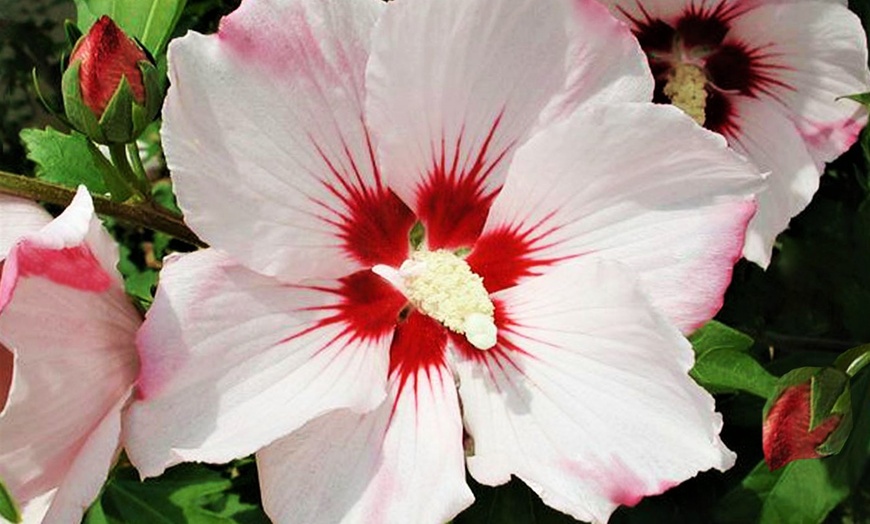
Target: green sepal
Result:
[116, 123]
[53, 105]
[861, 98]
[154, 81]
[79, 115]
[8, 507]
[118, 187]
[72, 31]
[124, 118]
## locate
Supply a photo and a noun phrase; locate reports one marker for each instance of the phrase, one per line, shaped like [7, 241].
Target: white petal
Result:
[818, 51]
[17, 218]
[673, 204]
[403, 462]
[606, 64]
[265, 136]
[771, 141]
[587, 397]
[453, 86]
[233, 360]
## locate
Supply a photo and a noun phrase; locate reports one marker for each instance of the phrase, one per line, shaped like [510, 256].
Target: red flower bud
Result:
[786, 435]
[810, 416]
[107, 54]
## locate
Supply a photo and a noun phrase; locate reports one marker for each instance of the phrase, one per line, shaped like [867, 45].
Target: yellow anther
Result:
[686, 89]
[444, 287]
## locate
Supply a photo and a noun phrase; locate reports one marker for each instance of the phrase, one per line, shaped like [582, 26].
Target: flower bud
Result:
[809, 416]
[111, 88]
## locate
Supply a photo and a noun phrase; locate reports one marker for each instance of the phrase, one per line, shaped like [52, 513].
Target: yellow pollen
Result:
[685, 88]
[443, 286]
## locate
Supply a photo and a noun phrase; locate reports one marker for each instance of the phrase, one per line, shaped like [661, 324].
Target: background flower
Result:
[770, 76]
[61, 423]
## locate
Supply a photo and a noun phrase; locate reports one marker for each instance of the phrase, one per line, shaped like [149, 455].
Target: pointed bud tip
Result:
[107, 54]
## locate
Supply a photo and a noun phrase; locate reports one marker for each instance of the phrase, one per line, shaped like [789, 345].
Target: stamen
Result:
[686, 89]
[443, 286]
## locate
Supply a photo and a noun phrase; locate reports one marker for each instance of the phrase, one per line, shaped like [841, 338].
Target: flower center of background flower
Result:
[443, 286]
[686, 88]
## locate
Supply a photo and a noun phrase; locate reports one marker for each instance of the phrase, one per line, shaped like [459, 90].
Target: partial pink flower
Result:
[429, 232]
[70, 361]
[770, 76]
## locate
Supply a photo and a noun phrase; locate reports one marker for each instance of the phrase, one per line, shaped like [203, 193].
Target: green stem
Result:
[118, 152]
[143, 214]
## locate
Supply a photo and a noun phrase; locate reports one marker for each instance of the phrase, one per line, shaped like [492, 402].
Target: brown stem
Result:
[143, 214]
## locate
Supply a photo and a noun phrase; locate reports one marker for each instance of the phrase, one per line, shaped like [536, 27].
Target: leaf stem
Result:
[145, 214]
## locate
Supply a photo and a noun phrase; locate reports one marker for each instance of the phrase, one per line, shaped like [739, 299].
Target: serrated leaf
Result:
[715, 335]
[68, 160]
[804, 490]
[722, 364]
[150, 21]
[8, 508]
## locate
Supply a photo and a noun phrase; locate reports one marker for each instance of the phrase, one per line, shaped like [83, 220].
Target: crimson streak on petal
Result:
[368, 307]
[505, 255]
[419, 345]
[373, 223]
[453, 202]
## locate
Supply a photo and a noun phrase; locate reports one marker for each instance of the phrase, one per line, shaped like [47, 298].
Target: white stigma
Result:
[444, 287]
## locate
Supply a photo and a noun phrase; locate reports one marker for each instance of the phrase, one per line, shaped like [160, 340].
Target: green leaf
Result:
[804, 490]
[8, 508]
[138, 283]
[67, 160]
[150, 21]
[187, 493]
[722, 364]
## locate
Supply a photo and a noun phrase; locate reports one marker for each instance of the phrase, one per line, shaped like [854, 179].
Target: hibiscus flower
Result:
[433, 243]
[769, 75]
[67, 357]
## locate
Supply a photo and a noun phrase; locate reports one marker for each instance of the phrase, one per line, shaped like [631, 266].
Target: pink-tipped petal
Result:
[586, 397]
[817, 53]
[402, 462]
[233, 360]
[772, 142]
[17, 218]
[269, 149]
[60, 425]
[453, 87]
[674, 206]
[605, 62]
